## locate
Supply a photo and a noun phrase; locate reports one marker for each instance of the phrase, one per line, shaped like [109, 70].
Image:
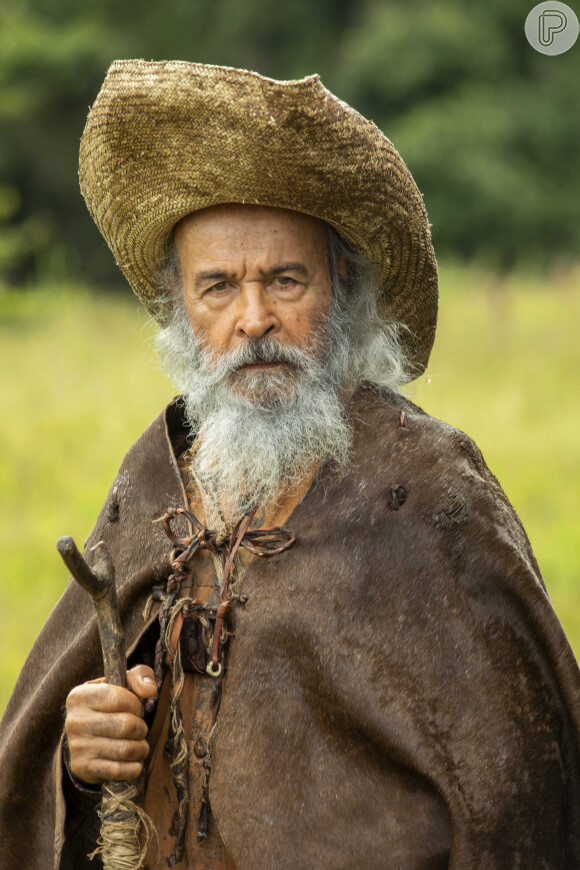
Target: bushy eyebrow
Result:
[287, 267]
[201, 277]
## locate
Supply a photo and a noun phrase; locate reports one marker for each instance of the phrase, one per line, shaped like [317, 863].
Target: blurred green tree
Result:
[488, 126]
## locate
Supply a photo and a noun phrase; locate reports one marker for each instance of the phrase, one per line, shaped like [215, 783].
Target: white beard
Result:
[259, 433]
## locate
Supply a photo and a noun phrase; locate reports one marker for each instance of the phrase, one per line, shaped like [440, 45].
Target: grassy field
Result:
[79, 384]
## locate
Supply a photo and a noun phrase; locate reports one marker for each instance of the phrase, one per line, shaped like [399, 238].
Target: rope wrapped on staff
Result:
[126, 830]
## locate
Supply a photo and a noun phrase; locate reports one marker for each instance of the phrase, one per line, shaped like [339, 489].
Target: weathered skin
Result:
[399, 694]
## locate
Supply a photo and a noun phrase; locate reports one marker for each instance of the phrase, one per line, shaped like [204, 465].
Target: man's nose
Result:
[256, 315]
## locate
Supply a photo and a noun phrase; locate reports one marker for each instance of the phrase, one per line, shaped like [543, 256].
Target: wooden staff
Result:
[125, 827]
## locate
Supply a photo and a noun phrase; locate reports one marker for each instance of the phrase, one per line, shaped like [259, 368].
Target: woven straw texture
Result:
[164, 139]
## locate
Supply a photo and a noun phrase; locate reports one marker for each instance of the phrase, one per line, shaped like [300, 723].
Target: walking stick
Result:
[125, 827]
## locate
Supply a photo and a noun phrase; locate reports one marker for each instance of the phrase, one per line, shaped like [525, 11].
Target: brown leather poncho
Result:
[399, 694]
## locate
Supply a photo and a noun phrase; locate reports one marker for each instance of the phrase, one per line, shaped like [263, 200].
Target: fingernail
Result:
[148, 679]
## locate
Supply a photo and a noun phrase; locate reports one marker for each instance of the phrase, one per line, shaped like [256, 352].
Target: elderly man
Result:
[342, 652]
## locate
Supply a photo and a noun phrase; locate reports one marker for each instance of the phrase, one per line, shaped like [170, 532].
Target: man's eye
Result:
[284, 281]
[220, 287]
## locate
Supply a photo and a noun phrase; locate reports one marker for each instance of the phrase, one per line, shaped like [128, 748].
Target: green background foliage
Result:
[488, 126]
[84, 386]
[490, 129]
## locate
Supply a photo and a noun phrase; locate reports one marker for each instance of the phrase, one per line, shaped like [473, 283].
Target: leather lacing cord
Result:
[260, 542]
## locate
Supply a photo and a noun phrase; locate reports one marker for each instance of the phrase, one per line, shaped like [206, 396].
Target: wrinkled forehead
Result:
[233, 220]
[268, 236]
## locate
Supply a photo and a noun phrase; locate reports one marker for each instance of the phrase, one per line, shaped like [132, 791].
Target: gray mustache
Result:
[266, 351]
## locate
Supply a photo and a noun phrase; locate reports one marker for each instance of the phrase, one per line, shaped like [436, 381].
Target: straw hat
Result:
[166, 139]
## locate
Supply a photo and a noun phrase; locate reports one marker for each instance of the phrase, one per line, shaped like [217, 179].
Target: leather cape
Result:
[399, 693]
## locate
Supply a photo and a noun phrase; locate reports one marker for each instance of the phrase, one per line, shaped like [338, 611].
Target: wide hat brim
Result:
[166, 139]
